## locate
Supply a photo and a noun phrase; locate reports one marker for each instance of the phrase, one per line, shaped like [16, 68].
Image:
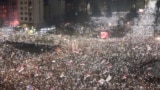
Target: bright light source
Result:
[128, 23]
[157, 38]
[109, 24]
[141, 10]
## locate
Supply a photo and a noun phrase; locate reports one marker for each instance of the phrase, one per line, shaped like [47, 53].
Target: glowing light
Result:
[110, 24]
[157, 38]
[141, 10]
[128, 23]
[104, 35]
[15, 23]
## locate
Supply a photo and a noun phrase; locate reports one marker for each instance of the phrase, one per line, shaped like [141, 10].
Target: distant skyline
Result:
[57, 11]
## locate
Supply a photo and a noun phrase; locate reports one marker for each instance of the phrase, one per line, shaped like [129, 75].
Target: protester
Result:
[94, 64]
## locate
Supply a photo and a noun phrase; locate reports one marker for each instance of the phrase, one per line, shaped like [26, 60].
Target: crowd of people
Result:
[80, 64]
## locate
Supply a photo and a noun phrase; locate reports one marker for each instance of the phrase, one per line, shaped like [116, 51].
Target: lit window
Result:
[30, 7]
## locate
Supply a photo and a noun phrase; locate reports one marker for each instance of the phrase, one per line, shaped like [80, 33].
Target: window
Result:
[26, 13]
[25, 18]
[21, 13]
[25, 2]
[30, 14]
[21, 8]
[21, 2]
[30, 19]
[29, 3]
[21, 18]
[25, 8]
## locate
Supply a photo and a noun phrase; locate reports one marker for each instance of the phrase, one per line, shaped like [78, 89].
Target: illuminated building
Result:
[8, 13]
[3, 12]
[12, 13]
[30, 12]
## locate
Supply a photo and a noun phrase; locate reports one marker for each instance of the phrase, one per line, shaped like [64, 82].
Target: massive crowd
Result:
[80, 64]
[60, 62]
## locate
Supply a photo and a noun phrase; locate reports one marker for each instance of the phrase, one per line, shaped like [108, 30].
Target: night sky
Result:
[3, 0]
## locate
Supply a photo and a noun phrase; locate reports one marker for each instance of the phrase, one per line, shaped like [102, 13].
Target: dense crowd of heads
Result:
[90, 64]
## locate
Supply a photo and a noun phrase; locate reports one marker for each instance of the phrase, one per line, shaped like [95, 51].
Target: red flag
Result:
[104, 35]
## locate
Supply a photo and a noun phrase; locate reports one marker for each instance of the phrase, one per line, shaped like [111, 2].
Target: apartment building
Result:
[30, 12]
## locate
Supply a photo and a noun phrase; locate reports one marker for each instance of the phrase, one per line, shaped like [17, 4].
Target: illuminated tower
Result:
[30, 12]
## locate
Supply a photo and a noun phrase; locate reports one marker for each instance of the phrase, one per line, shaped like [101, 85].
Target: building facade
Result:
[9, 13]
[54, 11]
[30, 12]
[3, 12]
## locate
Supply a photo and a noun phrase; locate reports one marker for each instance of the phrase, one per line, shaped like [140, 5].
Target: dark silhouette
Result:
[157, 11]
[95, 8]
[109, 7]
[132, 14]
[158, 5]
